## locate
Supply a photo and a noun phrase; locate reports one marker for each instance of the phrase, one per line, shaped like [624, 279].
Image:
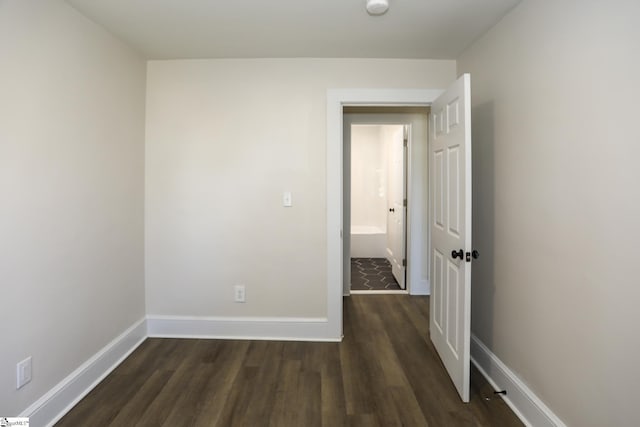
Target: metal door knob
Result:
[392, 210]
[455, 254]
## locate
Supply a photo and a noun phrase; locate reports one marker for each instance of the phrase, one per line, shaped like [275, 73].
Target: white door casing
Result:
[336, 100]
[416, 224]
[396, 210]
[450, 197]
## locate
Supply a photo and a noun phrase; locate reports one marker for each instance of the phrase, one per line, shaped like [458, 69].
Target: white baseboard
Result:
[239, 328]
[51, 407]
[524, 403]
[422, 288]
[47, 410]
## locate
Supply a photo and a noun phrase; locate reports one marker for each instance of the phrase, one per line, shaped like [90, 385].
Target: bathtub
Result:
[368, 242]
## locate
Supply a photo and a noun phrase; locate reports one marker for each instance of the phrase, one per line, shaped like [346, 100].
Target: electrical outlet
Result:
[23, 372]
[239, 293]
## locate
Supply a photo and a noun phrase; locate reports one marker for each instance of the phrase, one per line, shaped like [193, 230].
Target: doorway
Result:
[377, 174]
[385, 196]
[337, 100]
[450, 252]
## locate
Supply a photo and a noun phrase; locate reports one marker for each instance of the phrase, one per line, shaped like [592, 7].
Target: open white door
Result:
[397, 211]
[451, 253]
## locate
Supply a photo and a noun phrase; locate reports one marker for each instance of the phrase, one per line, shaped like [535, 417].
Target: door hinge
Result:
[404, 262]
[404, 203]
[405, 143]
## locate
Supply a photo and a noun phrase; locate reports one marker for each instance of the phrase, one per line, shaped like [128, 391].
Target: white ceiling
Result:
[172, 29]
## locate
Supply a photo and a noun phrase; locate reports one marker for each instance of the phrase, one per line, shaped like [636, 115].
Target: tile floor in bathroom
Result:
[372, 274]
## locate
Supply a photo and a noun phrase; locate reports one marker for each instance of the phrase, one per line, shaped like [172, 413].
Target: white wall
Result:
[71, 193]
[225, 138]
[368, 177]
[555, 89]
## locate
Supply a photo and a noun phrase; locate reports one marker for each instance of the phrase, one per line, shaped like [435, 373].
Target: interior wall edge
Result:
[421, 288]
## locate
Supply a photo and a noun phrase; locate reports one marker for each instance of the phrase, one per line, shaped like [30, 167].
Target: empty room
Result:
[176, 220]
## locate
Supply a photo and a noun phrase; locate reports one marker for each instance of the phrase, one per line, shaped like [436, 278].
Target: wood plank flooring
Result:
[384, 373]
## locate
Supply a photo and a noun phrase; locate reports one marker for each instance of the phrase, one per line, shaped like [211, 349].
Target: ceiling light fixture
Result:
[377, 7]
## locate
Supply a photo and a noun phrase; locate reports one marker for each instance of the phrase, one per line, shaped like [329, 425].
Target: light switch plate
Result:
[286, 199]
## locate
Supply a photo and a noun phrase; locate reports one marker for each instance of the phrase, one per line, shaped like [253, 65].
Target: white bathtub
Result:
[368, 242]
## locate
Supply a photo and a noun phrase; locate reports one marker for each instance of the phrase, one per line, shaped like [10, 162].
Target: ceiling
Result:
[179, 29]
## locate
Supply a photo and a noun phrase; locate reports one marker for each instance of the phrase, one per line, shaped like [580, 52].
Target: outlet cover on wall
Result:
[239, 294]
[23, 372]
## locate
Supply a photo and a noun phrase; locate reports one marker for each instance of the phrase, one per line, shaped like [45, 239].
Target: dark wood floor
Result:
[384, 373]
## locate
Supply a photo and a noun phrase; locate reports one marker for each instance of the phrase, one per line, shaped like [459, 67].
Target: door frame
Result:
[336, 100]
[409, 174]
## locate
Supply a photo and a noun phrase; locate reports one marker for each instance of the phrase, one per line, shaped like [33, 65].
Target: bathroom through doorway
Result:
[385, 194]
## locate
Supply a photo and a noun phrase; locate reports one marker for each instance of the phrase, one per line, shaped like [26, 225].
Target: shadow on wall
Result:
[483, 222]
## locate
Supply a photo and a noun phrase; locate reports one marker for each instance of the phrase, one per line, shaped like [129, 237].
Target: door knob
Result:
[392, 210]
[455, 254]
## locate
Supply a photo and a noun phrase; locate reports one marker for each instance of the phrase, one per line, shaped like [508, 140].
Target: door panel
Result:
[397, 214]
[438, 194]
[450, 160]
[453, 155]
[436, 293]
